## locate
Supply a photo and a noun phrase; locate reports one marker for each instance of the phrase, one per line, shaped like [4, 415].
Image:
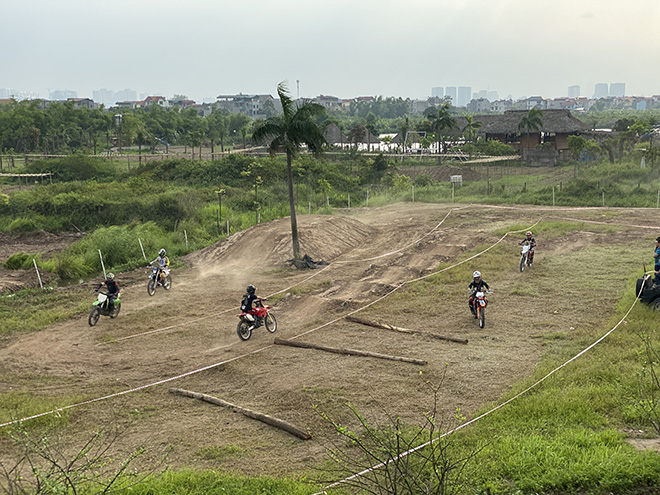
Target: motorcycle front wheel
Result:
[94, 316]
[167, 283]
[243, 330]
[270, 322]
[151, 287]
[115, 311]
[523, 262]
[482, 317]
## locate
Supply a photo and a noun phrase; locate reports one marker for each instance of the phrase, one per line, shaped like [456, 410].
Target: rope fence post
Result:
[38, 275]
[142, 248]
[102, 264]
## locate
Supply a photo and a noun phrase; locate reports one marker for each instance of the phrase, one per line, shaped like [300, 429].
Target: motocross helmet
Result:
[476, 275]
[529, 234]
[161, 252]
[251, 289]
[110, 276]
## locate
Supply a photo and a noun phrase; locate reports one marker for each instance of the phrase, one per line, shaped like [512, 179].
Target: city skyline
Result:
[203, 48]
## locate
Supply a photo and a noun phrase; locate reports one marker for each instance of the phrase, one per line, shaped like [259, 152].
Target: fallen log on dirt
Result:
[264, 418]
[350, 352]
[378, 324]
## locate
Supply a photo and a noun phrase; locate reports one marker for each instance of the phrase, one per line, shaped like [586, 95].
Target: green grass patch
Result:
[189, 482]
[31, 310]
[219, 452]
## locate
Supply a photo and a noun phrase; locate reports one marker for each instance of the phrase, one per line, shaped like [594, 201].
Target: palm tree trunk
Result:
[292, 207]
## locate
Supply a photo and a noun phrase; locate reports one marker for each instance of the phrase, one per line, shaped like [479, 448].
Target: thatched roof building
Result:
[333, 135]
[554, 121]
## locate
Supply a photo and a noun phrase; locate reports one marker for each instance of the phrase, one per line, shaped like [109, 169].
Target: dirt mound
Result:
[322, 237]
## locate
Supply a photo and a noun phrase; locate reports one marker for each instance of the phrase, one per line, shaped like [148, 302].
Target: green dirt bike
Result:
[100, 308]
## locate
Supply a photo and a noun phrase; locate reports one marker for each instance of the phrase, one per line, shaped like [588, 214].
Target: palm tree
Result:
[471, 128]
[531, 122]
[289, 131]
[441, 121]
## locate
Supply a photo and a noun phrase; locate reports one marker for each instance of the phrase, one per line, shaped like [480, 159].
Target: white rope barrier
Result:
[215, 365]
[490, 411]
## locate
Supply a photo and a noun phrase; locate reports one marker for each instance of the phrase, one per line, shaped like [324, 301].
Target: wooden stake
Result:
[264, 418]
[386, 326]
[350, 352]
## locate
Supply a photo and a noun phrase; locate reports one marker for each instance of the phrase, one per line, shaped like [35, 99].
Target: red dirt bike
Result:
[478, 307]
[256, 317]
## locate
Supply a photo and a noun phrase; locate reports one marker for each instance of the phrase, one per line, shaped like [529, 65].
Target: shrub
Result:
[75, 167]
[19, 261]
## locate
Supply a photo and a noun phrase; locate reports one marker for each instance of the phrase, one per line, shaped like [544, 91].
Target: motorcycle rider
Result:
[529, 239]
[250, 297]
[163, 262]
[477, 285]
[113, 289]
[656, 261]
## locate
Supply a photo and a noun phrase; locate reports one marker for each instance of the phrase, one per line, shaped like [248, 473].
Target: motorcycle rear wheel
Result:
[482, 317]
[167, 283]
[243, 330]
[94, 316]
[270, 322]
[151, 287]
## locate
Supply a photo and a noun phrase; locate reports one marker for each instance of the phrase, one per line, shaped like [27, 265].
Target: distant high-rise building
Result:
[104, 96]
[601, 90]
[464, 96]
[493, 96]
[573, 91]
[126, 95]
[62, 94]
[437, 92]
[450, 92]
[618, 89]
[480, 94]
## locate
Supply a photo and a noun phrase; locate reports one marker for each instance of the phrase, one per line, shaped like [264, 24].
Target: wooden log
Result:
[350, 352]
[264, 418]
[378, 324]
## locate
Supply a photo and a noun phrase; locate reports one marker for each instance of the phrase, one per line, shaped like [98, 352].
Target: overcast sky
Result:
[203, 48]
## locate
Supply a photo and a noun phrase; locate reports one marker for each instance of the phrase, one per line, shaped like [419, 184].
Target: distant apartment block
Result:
[250, 105]
[450, 92]
[329, 102]
[84, 103]
[438, 92]
[501, 106]
[62, 94]
[601, 90]
[479, 105]
[618, 89]
[573, 91]
[419, 106]
[464, 96]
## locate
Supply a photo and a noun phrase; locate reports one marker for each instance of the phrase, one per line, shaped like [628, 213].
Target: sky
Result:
[204, 48]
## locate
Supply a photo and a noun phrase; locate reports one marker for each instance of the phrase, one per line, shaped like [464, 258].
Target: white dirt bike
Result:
[159, 276]
[525, 259]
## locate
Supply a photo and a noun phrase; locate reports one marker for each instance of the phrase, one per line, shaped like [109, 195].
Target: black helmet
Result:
[251, 289]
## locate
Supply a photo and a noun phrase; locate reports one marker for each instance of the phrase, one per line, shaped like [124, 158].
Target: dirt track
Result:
[285, 382]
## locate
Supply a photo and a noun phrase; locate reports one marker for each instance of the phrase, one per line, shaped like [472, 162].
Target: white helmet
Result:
[476, 274]
[161, 252]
